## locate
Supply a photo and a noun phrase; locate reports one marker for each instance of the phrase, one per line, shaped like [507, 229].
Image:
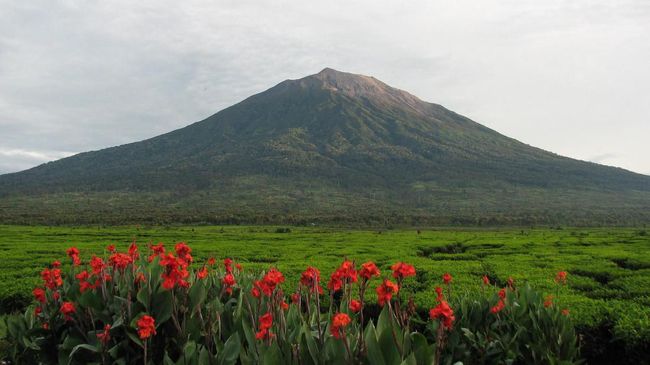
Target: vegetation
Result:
[152, 307]
[608, 290]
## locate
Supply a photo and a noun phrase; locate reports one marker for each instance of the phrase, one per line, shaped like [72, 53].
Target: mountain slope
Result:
[325, 147]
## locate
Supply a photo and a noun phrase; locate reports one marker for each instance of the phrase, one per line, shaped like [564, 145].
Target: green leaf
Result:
[83, 346]
[144, 296]
[410, 360]
[197, 295]
[161, 306]
[231, 350]
[374, 354]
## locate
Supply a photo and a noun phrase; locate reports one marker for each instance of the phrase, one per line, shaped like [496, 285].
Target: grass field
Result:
[609, 268]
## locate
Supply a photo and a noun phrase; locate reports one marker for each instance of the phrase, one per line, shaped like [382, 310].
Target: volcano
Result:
[331, 147]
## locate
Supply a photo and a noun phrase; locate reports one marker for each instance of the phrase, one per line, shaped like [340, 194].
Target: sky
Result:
[571, 77]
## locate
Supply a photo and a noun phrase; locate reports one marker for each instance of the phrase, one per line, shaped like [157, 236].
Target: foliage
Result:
[608, 290]
[152, 307]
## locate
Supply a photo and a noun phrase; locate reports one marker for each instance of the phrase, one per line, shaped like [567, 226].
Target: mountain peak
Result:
[367, 87]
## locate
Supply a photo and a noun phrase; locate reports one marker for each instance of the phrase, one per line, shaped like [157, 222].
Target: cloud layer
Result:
[570, 77]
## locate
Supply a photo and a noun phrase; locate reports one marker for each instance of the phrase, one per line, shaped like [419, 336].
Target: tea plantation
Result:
[608, 291]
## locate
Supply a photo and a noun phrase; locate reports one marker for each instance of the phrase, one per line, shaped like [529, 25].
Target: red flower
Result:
[385, 292]
[184, 252]
[446, 278]
[255, 291]
[133, 252]
[402, 270]
[339, 322]
[140, 278]
[486, 280]
[110, 248]
[439, 295]
[97, 265]
[120, 260]
[565, 312]
[211, 261]
[146, 327]
[52, 278]
[269, 282]
[355, 305]
[310, 278]
[227, 263]
[37, 311]
[498, 307]
[73, 252]
[56, 264]
[443, 312]
[157, 251]
[39, 295]
[239, 267]
[266, 321]
[336, 283]
[67, 308]
[284, 305]
[228, 281]
[548, 301]
[203, 273]
[502, 293]
[82, 276]
[295, 298]
[511, 283]
[175, 272]
[369, 270]
[347, 271]
[105, 336]
[560, 278]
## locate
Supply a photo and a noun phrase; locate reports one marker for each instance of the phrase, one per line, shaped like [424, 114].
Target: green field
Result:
[609, 268]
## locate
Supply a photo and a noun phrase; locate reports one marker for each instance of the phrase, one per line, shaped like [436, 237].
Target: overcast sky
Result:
[572, 77]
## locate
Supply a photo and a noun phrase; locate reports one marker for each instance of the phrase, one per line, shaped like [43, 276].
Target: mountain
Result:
[330, 147]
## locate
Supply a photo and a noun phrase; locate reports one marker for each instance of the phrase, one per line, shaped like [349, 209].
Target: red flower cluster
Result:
[345, 274]
[120, 261]
[146, 327]
[67, 309]
[310, 278]
[184, 252]
[52, 278]
[203, 273]
[105, 336]
[84, 284]
[385, 291]
[268, 283]
[156, 251]
[560, 278]
[133, 252]
[39, 295]
[339, 322]
[501, 303]
[548, 301]
[369, 270]
[228, 281]
[73, 252]
[402, 270]
[175, 272]
[266, 321]
[446, 278]
[486, 280]
[444, 313]
[355, 305]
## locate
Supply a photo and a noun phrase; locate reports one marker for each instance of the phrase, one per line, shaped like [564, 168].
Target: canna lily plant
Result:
[154, 307]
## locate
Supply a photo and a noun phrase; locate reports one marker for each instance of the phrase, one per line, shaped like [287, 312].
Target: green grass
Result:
[609, 268]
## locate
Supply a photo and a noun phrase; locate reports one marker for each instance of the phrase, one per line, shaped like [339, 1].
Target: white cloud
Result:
[570, 77]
